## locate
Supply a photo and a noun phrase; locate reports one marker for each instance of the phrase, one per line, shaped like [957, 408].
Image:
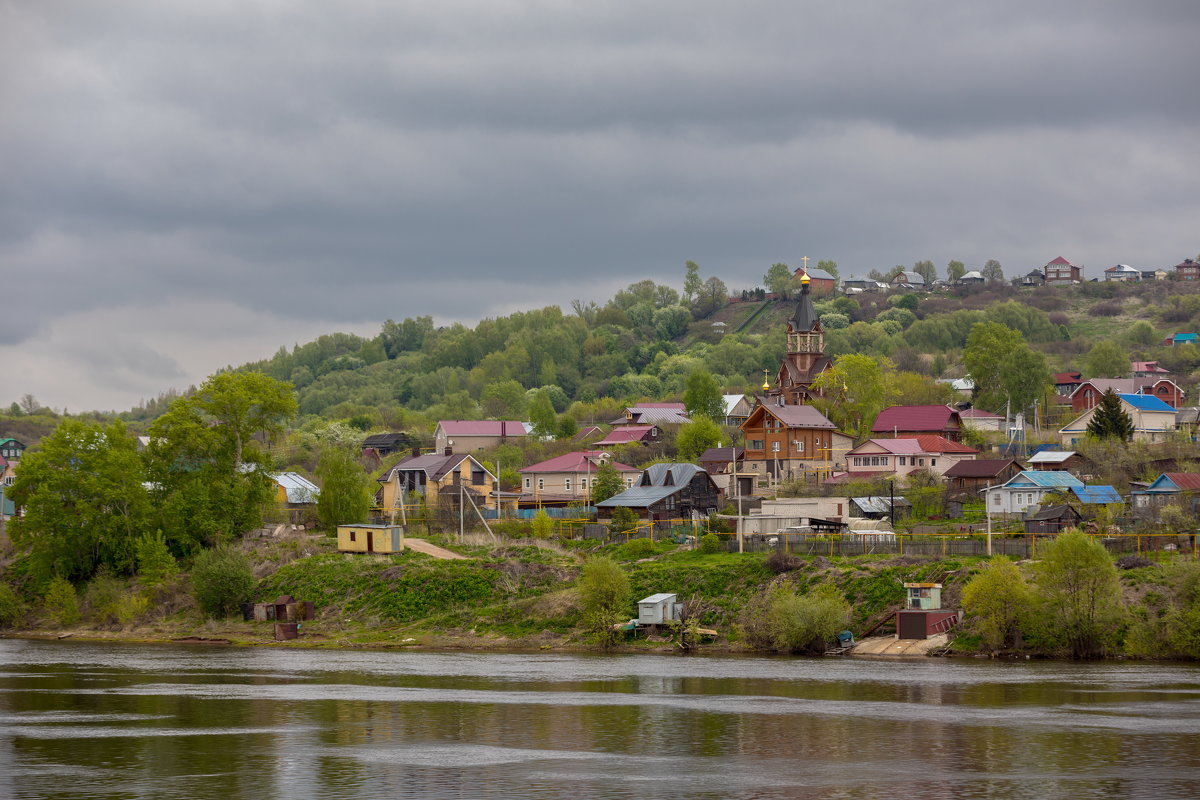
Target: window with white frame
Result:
[567, 484]
[528, 481]
[541, 483]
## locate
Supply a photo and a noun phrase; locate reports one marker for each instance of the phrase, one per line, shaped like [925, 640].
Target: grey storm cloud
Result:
[363, 160]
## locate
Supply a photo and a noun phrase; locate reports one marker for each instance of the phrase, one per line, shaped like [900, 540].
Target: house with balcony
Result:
[1187, 270]
[1060, 271]
[1122, 272]
[791, 442]
[900, 457]
[441, 480]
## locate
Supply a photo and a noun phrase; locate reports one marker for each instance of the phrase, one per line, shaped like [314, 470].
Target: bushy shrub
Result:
[543, 525]
[638, 548]
[998, 602]
[155, 564]
[222, 580]
[102, 598]
[61, 603]
[11, 607]
[1111, 308]
[605, 595]
[781, 620]
[709, 543]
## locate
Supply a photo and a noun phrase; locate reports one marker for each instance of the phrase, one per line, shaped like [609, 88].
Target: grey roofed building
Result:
[668, 491]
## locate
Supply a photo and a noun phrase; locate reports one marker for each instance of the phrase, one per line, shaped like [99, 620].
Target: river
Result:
[105, 720]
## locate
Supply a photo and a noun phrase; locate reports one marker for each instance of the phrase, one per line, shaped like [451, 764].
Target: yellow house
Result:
[370, 539]
[441, 480]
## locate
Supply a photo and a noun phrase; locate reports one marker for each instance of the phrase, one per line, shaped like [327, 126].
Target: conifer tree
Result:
[1110, 420]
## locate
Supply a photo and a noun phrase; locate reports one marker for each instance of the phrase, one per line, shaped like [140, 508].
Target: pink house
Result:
[903, 456]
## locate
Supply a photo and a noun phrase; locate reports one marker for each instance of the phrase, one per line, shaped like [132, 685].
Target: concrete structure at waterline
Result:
[370, 538]
[923, 615]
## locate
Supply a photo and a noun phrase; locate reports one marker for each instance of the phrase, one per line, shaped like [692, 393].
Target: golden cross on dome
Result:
[805, 260]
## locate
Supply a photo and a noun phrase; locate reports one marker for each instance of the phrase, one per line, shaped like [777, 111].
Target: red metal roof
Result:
[980, 468]
[940, 444]
[626, 435]
[1184, 480]
[979, 413]
[579, 461]
[914, 418]
[483, 427]
[1060, 261]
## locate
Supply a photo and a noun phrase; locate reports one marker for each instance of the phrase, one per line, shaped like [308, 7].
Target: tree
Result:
[991, 271]
[542, 525]
[155, 564]
[503, 399]
[692, 283]
[671, 322]
[856, 388]
[780, 619]
[222, 580]
[605, 594]
[1003, 366]
[1080, 594]
[346, 490]
[1107, 359]
[779, 280]
[83, 499]
[697, 436]
[713, 297]
[542, 416]
[1142, 333]
[207, 459]
[703, 396]
[829, 266]
[955, 270]
[926, 270]
[1110, 420]
[607, 483]
[998, 601]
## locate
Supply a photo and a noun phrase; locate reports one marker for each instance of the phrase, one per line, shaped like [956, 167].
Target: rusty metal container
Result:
[286, 630]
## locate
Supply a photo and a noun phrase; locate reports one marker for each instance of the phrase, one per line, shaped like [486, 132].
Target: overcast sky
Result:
[189, 184]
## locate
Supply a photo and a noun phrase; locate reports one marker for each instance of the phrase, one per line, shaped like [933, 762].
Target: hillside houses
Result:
[1153, 420]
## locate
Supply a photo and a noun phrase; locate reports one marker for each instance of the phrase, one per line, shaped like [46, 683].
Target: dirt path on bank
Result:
[422, 546]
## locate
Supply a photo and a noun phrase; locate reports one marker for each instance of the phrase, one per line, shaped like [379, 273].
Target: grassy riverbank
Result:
[520, 594]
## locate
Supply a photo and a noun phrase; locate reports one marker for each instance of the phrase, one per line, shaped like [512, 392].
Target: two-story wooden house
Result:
[788, 442]
[440, 479]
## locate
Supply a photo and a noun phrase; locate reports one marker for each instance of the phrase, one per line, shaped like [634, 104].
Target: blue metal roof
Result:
[1044, 479]
[1096, 494]
[1185, 337]
[1145, 402]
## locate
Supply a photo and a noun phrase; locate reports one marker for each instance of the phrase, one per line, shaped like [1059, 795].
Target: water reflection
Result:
[143, 721]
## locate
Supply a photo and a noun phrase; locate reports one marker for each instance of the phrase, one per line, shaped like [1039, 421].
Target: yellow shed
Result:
[370, 538]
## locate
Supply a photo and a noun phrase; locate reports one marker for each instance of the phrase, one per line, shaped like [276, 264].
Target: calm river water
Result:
[133, 721]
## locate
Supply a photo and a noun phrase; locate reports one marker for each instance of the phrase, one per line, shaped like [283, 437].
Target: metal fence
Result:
[1017, 545]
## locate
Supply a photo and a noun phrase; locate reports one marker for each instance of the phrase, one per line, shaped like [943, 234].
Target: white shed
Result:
[658, 609]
